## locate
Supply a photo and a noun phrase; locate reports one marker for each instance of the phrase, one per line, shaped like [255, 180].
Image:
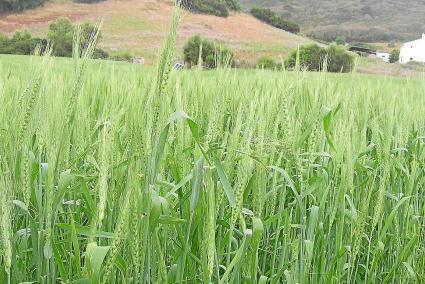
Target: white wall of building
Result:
[413, 51]
[384, 56]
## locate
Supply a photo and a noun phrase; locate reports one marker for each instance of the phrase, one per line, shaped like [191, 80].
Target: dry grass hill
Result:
[140, 26]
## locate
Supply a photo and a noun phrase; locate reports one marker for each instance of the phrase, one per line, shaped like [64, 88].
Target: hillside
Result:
[140, 26]
[365, 20]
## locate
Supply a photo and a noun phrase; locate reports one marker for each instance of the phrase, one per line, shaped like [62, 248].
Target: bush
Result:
[21, 43]
[312, 58]
[88, 1]
[100, 54]
[212, 7]
[339, 59]
[340, 40]
[17, 5]
[395, 55]
[233, 5]
[266, 62]
[61, 34]
[122, 56]
[212, 54]
[271, 18]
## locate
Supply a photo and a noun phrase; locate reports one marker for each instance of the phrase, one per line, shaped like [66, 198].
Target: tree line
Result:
[219, 8]
[60, 35]
[19, 5]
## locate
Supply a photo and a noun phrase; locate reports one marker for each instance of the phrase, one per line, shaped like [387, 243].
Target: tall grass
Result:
[114, 173]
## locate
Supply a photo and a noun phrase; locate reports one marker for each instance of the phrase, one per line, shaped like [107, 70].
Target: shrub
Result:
[266, 62]
[271, 18]
[233, 5]
[21, 43]
[312, 58]
[340, 40]
[212, 7]
[395, 55]
[212, 54]
[61, 34]
[88, 1]
[122, 56]
[17, 5]
[100, 54]
[339, 59]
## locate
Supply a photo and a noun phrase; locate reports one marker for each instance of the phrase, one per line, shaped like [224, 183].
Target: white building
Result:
[413, 51]
[383, 55]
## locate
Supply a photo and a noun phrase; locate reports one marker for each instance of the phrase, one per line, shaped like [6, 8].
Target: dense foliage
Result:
[16, 5]
[209, 54]
[395, 55]
[21, 42]
[88, 1]
[212, 7]
[60, 35]
[122, 56]
[266, 62]
[340, 40]
[315, 58]
[270, 17]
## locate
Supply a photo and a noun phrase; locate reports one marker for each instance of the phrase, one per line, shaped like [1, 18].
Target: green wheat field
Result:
[114, 173]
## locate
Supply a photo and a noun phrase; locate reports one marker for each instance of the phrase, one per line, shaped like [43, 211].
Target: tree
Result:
[395, 55]
[266, 62]
[212, 7]
[21, 42]
[61, 34]
[17, 5]
[339, 59]
[312, 57]
[340, 40]
[209, 53]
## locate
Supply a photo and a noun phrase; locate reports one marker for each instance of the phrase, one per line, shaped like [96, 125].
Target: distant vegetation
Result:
[60, 35]
[88, 1]
[340, 40]
[200, 51]
[212, 7]
[266, 62]
[271, 18]
[366, 20]
[21, 42]
[16, 5]
[313, 58]
[395, 55]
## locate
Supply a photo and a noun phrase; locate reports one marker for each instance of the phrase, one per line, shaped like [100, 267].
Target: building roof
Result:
[417, 40]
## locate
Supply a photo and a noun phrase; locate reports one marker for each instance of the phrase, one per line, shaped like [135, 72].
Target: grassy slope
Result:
[140, 25]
